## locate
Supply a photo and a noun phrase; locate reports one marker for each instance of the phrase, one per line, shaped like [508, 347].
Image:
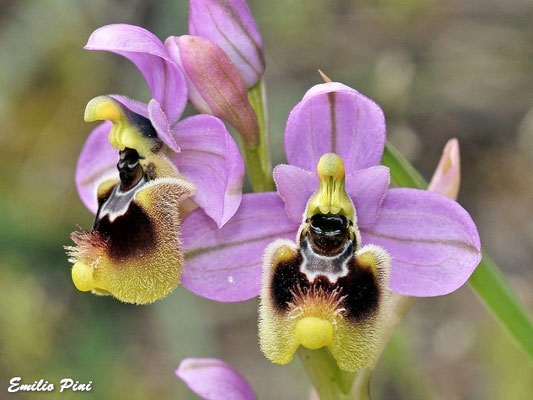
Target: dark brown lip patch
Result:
[359, 288]
[129, 235]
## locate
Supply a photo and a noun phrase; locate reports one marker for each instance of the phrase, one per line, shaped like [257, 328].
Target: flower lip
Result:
[311, 299]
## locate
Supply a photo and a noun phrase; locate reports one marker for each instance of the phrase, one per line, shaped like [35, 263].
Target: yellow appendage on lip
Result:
[313, 332]
[82, 276]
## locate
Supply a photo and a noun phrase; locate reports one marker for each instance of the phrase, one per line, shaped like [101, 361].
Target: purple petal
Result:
[433, 242]
[366, 187]
[333, 118]
[295, 186]
[214, 379]
[97, 162]
[160, 122]
[230, 25]
[146, 51]
[226, 264]
[210, 158]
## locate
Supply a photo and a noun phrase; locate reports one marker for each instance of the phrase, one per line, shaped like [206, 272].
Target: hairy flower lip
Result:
[134, 255]
[316, 298]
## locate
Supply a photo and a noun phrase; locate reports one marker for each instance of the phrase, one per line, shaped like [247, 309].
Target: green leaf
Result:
[489, 284]
[487, 281]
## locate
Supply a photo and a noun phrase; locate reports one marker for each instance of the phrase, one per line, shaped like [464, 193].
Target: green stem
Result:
[329, 381]
[257, 158]
[487, 280]
[361, 385]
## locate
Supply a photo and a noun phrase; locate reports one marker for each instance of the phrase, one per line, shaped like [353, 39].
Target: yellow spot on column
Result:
[313, 332]
[82, 276]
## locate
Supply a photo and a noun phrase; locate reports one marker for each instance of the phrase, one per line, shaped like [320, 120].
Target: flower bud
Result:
[215, 85]
[447, 177]
[133, 251]
[230, 25]
[325, 289]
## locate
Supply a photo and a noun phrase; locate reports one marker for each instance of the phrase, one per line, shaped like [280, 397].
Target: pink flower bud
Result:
[447, 177]
[215, 85]
[230, 25]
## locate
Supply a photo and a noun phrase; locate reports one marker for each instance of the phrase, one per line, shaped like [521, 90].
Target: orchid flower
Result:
[431, 240]
[133, 251]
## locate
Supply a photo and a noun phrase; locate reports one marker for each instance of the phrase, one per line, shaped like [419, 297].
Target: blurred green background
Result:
[439, 69]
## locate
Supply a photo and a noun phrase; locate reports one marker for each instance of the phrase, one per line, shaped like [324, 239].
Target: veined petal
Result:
[295, 186]
[433, 242]
[210, 158]
[213, 379]
[366, 187]
[230, 25]
[97, 162]
[225, 264]
[145, 50]
[333, 118]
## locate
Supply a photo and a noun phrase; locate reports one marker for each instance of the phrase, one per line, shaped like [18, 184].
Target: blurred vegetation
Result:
[440, 69]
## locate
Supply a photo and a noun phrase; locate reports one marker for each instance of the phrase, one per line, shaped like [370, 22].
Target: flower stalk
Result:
[329, 381]
[257, 158]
